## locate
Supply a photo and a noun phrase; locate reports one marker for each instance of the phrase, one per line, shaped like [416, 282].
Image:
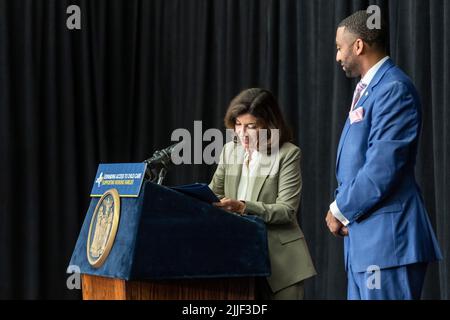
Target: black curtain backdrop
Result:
[137, 70]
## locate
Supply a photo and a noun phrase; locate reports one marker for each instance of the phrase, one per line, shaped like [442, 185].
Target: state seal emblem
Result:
[103, 228]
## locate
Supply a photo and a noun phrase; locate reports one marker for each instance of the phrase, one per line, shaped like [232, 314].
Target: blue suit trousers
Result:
[399, 283]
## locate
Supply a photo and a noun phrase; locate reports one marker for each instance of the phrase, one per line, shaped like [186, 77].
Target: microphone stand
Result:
[161, 175]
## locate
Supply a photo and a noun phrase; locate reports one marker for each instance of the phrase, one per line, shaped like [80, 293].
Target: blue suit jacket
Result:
[377, 191]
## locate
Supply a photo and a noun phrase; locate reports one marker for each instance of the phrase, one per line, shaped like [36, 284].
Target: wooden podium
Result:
[169, 246]
[101, 288]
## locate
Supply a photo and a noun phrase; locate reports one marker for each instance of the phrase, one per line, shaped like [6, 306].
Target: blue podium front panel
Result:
[164, 234]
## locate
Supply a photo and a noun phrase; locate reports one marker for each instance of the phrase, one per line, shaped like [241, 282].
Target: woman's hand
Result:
[231, 205]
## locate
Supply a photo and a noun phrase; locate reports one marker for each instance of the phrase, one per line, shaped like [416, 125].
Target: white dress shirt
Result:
[366, 80]
[249, 169]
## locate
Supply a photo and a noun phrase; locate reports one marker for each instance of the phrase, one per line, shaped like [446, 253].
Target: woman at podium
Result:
[259, 174]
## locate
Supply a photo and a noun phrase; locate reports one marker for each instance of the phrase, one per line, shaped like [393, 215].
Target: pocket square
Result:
[357, 115]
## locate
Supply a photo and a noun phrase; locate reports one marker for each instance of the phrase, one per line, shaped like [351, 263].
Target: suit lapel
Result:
[384, 68]
[264, 173]
[375, 81]
[237, 179]
[235, 169]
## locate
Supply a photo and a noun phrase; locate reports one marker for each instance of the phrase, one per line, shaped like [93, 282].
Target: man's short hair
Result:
[357, 24]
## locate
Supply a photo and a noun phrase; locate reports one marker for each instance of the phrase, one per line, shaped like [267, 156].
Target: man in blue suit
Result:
[378, 207]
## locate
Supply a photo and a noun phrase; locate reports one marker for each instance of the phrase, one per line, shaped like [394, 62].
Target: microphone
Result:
[159, 163]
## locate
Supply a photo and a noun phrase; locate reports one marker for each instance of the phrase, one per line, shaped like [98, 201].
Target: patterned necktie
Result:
[359, 88]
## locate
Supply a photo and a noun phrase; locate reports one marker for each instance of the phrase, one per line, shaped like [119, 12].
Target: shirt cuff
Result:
[338, 214]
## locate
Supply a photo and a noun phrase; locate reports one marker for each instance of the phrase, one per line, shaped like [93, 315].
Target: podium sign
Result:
[127, 178]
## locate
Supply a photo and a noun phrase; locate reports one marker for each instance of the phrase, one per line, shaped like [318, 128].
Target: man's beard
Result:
[351, 70]
[348, 74]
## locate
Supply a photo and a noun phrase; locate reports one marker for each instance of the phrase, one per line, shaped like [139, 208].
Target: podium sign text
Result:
[127, 178]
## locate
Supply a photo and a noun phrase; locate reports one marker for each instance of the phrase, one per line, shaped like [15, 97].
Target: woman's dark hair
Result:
[261, 104]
